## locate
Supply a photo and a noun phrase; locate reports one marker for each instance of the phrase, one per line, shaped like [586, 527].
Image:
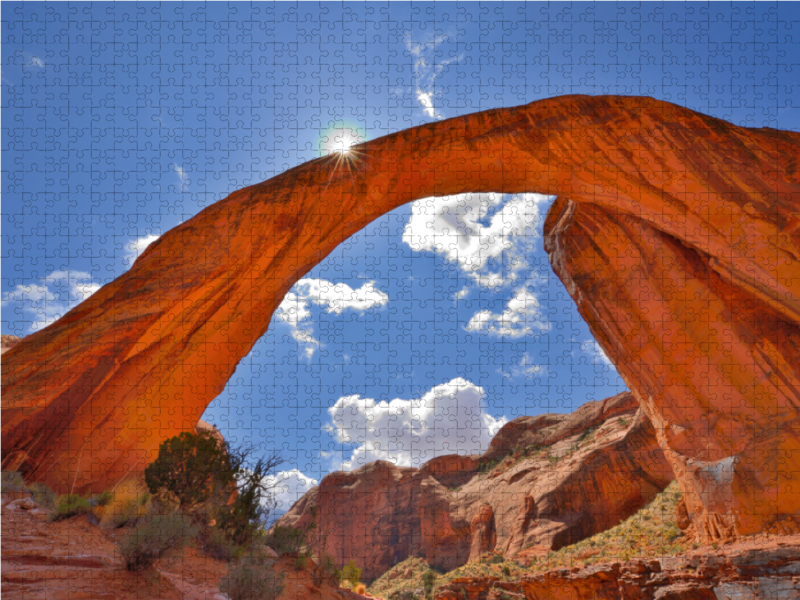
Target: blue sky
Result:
[434, 325]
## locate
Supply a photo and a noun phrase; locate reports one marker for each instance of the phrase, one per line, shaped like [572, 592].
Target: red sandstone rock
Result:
[584, 473]
[73, 559]
[7, 342]
[757, 568]
[677, 235]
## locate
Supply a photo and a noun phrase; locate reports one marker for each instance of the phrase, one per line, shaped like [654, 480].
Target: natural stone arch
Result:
[677, 234]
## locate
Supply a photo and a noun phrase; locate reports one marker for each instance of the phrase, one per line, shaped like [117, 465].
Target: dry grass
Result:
[649, 533]
[406, 575]
[128, 501]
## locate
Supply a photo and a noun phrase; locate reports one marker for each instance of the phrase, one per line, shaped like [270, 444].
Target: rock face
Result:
[7, 342]
[758, 570]
[545, 482]
[677, 234]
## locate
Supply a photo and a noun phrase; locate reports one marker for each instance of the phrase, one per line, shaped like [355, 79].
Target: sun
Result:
[340, 140]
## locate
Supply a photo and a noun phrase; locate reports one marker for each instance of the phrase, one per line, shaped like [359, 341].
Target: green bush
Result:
[252, 578]
[324, 570]
[152, 537]
[70, 505]
[217, 544]
[286, 540]
[428, 581]
[351, 573]
[216, 483]
[190, 467]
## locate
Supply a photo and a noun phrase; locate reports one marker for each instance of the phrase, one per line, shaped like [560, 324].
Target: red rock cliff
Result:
[545, 482]
[677, 234]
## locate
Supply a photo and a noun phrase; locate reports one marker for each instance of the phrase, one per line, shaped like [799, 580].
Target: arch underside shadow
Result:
[676, 234]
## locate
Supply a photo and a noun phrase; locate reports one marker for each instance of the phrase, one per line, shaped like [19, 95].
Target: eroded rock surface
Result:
[545, 482]
[677, 234]
[757, 569]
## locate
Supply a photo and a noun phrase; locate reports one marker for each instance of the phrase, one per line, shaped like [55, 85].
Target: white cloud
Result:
[426, 71]
[521, 316]
[595, 352]
[334, 297]
[425, 100]
[36, 62]
[135, 247]
[181, 173]
[455, 227]
[48, 300]
[461, 294]
[288, 487]
[448, 419]
[527, 367]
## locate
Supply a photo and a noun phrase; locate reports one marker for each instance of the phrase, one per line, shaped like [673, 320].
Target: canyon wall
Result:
[677, 234]
[545, 482]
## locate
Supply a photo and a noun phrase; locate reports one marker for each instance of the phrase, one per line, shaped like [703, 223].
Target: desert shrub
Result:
[70, 505]
[103, 498]
[222, 486]
[506, 570]
[214, 542]
[252, 578]
[152, 537]
[12, 479]
[124, 505]
[496, 559]
[43, 495]
[286, 540]
[428, 581]
[487, 465]
[324, 570]
[190, 467]
[351, 573]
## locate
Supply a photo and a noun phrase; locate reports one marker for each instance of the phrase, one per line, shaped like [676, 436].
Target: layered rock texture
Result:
[763, 569]
[677, 235]
[544, 483]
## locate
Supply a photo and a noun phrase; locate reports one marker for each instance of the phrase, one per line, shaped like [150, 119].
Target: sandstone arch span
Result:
[677, 234]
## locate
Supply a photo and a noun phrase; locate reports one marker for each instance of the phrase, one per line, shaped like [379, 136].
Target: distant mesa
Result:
[676, 234]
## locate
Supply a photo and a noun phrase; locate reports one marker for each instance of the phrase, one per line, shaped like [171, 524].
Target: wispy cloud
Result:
[135, 247]
[528, 368]
[181, 174]
[448, 419]
[592, 349]
[427, 69]
[294, 310]
[49, 298]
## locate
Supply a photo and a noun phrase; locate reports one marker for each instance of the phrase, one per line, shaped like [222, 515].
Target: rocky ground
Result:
[74, 559]
[652, 555]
